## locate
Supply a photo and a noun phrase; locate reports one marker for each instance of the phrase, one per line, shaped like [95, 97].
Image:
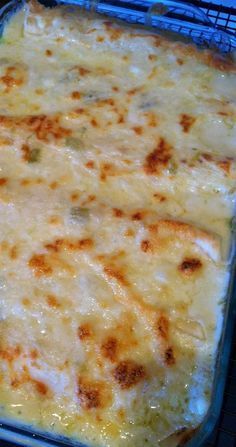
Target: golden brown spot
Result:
[28, 181]
[100, 39]
[40, 265]
[117, 212]
[90, 164]
[162, 327]
[121, 414]
[157, 41]
[189, 266]
[89, 199]
[225, 165]
[45, 127]
[152, 120]
[78, 244]
[106, 170]
[52, 301]
[55, 220]
[48, 53]
[14, 252]
[137, 216]
[5, 246]
[219, 61]
[129, 232]
[3, 181]
[160, 197]
[146, 246]
[94, 122]
[54, 185]
[83, 71]
[169, 356]
[11, 79]
[5, 141]
[133, 91]
[180, 61]
[39, 91]
[106, 101]
[75, 95]
[16, 382]
[186, 122]
[228, 113]
[41, 388]
[206, 156]
[92, 394]
[158, 158]
[80, 111]
[117, 274]
[25, 182]
[89, 396]
[84, 331]
[120, 119]
[20, 379]
[55, 246]
[129, 373]
[114, 34]
[75, 196]
[152, 57]
[83, 244]
[25, 152]
[138, 130]
[10, 353]
[26, 302]
[115, 88]
[34, 354]
[109, 348]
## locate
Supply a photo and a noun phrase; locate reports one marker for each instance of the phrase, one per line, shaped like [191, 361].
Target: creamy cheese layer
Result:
[117, 191]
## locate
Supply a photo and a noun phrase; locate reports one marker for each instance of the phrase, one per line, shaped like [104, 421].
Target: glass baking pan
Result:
[174, 19]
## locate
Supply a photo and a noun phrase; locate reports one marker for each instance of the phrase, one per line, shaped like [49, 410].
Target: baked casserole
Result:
[117, 190]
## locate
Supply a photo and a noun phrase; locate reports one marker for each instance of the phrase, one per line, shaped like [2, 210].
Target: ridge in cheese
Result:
[117, 190]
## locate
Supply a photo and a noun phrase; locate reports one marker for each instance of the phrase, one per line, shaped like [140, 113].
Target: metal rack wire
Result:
[205, 26]
[221, 17]
[224, 17]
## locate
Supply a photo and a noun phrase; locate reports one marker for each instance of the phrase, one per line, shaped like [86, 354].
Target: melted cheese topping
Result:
[117, 188]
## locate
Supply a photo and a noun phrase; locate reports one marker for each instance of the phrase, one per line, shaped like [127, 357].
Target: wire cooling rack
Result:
[224, 17]
[206, 26]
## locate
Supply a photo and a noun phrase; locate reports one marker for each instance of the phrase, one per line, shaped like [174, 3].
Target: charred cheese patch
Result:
[92, 394]
[109, 348]
[128, 373]
[117, 191]
[158, 158]
[190, 265]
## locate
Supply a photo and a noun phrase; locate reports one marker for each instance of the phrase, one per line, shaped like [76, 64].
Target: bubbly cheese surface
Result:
[117, 190]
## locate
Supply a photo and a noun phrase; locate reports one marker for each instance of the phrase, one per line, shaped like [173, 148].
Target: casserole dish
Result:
[139, 249]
